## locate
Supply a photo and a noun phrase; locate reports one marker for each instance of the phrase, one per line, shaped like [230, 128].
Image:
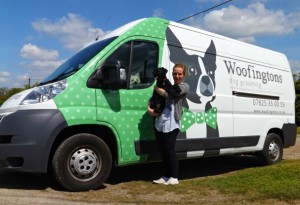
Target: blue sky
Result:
[37, 36]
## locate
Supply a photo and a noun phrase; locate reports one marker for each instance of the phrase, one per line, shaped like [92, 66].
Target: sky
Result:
[37, 36]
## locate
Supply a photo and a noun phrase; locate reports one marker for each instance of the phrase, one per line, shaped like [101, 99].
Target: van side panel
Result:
[208, 111]
[230, 82]
[263, 99]
[249, 88]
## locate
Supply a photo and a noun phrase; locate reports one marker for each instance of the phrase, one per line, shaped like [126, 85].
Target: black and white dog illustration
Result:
[201, 79]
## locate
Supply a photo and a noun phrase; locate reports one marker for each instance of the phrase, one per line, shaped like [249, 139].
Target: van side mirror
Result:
[111, 75]
[114, 75]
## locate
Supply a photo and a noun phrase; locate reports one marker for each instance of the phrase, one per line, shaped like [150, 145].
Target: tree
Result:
[297, 90]
[6, 93]
[3, 91]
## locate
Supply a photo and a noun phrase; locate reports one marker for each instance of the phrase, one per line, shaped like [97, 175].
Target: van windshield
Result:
[76, 62]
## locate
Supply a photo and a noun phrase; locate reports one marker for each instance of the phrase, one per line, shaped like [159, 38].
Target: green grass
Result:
[298, 130]
[258, 185]
[281, 181]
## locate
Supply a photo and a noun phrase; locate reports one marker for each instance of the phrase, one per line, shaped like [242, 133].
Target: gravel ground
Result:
[23, 188]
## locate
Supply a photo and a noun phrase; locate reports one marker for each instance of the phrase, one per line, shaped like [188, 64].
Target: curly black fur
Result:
[157, 102]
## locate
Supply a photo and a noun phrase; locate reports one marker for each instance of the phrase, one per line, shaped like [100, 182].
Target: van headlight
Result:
[44, 93]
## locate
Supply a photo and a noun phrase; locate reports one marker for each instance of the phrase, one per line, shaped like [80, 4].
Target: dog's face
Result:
[200, 70]
[135, 79]
[160, 73]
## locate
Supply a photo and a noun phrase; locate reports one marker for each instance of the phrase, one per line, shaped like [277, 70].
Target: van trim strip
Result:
[182, 145]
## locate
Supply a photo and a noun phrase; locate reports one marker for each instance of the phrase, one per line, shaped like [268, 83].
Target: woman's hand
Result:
[151, 112]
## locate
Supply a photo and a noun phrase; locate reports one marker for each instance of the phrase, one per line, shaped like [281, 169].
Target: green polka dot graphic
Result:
[123, 111]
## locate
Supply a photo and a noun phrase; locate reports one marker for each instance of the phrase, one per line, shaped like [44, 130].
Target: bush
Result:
[297, 106]
[5, 95]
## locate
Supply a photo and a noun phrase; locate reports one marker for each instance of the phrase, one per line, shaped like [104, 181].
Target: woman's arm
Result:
[176, 92]
[160, 91]
[151, 111]
[185, 88]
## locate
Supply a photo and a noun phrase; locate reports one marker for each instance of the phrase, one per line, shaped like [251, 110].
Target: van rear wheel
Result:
[82, 162]
[273, 149]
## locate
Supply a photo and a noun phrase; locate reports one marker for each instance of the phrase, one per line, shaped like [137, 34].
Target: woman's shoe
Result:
[172, 181]
[162, 180]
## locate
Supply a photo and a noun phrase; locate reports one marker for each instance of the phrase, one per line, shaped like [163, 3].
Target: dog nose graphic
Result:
[206, 86]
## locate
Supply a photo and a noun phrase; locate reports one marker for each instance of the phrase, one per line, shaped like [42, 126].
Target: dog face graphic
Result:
[200, 69]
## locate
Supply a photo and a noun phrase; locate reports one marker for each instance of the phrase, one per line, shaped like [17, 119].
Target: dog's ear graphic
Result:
[209, 61]
[209, 58]
[180, 55]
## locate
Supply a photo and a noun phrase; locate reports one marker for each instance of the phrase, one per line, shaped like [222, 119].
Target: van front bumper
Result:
[26, 138]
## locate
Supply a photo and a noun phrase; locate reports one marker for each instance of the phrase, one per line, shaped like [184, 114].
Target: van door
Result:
[247, 122]
[125, 109]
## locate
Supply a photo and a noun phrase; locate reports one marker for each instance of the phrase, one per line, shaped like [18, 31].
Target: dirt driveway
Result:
[22, 188]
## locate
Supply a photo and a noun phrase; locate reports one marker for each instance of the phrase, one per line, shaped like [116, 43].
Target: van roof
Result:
[246, 52]
[119, 31]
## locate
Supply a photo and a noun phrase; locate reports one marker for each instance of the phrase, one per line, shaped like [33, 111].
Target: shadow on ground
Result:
[188, 169]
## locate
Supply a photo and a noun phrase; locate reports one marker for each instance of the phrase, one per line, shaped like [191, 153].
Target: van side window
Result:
[122, 54]
[139, 58]
[144, 60]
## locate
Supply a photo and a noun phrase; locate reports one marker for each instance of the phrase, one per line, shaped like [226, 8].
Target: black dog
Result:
[157, 102]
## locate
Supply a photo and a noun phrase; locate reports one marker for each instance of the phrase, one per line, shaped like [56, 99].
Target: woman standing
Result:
[167, 125]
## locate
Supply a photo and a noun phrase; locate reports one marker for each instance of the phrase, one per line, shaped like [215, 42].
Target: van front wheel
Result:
[273, 149]
[82, 162]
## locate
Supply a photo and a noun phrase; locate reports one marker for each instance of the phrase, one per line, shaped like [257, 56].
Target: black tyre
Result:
[82, 162]
[273, 150]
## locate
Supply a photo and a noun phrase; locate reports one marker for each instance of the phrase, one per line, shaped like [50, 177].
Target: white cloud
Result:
[4, 74]
[295, 65]
[4, 77]
[248, 39]
[7, 80]
[33, 52]
[40, 63]
[45, 65]
[293, 20]
[247, 23]
[23, 78]
[158, 13]
[39, 69]
[73, 31]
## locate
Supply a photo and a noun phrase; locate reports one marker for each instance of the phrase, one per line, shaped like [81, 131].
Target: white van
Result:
[91, 112]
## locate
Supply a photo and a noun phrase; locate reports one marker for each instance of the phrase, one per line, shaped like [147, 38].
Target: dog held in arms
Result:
[157, 102]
